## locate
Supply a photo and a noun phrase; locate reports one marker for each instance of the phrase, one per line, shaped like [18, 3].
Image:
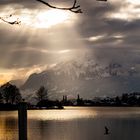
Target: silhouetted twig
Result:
[74, 8]
[10, 22]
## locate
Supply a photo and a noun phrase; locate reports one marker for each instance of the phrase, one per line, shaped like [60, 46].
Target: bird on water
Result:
[106, 130]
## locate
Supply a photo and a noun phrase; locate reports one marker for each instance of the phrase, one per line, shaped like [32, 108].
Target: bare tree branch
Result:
[75, 8]
[10, 22]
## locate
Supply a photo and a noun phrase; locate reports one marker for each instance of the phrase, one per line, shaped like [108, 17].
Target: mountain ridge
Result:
[86, 78]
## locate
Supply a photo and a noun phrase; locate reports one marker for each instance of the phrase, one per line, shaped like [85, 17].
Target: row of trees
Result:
[10, 94]
[43, 101]
[126, 99]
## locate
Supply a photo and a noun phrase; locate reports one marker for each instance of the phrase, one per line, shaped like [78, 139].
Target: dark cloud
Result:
[24, 3]
[123, 26]
[24, 45]
[125, 56]
[93, 20]
[34, 4]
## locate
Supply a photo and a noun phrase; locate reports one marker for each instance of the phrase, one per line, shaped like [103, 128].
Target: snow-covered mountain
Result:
[86, 78]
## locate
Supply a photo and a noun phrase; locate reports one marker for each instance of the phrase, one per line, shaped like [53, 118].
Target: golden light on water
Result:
[66, 114]
[8, 123]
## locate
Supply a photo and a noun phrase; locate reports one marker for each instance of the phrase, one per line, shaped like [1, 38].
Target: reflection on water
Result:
[75, 124]
[68, 113]
[8, 125]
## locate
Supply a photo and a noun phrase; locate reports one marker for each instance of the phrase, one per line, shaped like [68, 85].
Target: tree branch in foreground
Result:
[74, 8]
[10, 22]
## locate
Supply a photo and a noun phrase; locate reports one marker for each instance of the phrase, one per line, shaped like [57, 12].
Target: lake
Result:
[75, 123]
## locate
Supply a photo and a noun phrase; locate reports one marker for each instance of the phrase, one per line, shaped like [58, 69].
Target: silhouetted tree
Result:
[1, 97]
[139, 101]
[125, 98]
[117, 101]
[132, 100]
[79, 100]
[11, 93]
[42, 94]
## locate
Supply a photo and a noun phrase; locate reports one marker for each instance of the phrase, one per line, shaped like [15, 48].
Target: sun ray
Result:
[35, 24]
[47, 19]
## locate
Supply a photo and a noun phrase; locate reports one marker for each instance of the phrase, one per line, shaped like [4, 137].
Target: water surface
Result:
[75, 123]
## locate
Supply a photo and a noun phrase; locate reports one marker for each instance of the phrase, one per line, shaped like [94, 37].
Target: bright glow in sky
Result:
[31, 22]
[50, 18]
[5, 75]
[95, 38]
[46, 19]
[136, 2]
[64, 51]
[39, 18]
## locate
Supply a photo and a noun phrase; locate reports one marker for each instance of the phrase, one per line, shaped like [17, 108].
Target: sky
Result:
[111, 30]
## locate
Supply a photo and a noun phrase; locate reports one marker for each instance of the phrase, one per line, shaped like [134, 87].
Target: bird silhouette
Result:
[106, 130]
